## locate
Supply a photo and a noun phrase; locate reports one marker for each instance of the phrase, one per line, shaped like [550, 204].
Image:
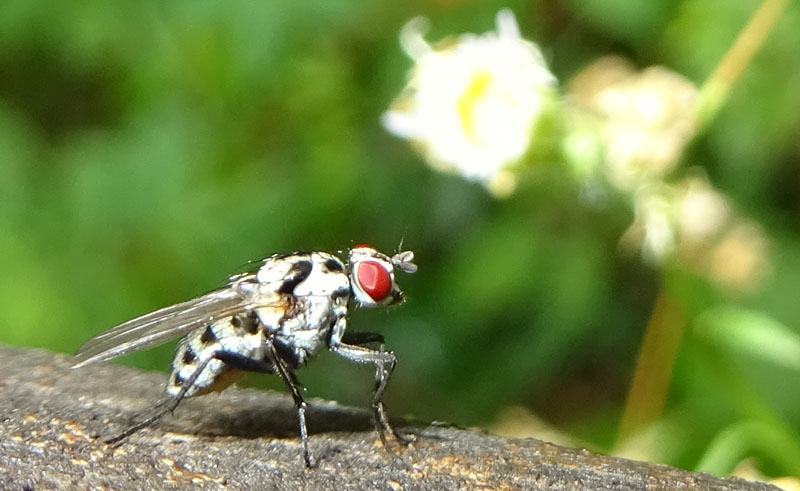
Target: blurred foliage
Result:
[148, 149]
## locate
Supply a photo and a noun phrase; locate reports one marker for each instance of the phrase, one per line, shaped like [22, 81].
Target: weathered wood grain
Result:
[53, 417]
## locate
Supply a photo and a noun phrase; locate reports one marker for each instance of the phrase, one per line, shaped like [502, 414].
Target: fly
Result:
[271, 321]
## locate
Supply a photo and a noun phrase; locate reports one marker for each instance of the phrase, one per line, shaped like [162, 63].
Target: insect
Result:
[272, 320]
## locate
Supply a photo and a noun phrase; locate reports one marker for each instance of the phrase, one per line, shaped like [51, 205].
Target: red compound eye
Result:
[374, 279]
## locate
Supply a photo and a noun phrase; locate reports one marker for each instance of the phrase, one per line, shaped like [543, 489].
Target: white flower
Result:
[695, 224]
[653, 230]
[472, 103]
[644, 119]
[702, 211]
[683, 218]
[741, 260]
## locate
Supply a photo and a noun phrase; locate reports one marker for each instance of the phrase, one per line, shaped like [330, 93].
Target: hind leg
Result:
[189, 386]
[164, 406]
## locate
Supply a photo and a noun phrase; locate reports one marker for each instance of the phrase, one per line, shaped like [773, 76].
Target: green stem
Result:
[651, 379]
[664, 332]
[715, 91]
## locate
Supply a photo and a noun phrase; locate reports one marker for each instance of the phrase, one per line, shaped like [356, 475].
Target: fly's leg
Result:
[362, 338]
[163, 407]
[290, 380]
[275, 364]
[384, 362]
[168, 405]
[382, 376]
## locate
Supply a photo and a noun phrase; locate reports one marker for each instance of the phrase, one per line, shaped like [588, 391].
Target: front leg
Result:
[362, 338]
[384, 362]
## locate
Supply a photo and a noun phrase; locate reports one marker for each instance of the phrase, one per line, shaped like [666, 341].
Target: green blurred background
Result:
[147, 149]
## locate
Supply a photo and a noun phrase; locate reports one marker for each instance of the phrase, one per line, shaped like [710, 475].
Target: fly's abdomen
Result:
[237, 337]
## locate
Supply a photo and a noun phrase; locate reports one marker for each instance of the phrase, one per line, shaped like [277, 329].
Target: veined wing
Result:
[162, 325]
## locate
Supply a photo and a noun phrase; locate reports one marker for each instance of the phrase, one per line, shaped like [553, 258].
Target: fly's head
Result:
[372, 275]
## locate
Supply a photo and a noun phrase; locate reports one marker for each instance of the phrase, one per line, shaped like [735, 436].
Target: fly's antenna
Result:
[403, 262]
[402, 239]
[403, 259]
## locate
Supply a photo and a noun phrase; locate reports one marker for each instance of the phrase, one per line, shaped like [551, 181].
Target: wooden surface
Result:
[53, 420]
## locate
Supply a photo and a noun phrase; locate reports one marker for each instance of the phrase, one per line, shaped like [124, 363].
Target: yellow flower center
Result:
[477, 88]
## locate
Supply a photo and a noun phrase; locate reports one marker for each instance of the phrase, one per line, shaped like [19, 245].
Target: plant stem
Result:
[651, 379]
[664, 332]
[716, 89]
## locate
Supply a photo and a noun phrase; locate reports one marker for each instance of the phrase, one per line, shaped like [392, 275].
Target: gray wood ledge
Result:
[53, 419]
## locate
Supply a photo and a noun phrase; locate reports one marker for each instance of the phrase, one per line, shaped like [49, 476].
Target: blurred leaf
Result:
[751, 333]
[749, 438]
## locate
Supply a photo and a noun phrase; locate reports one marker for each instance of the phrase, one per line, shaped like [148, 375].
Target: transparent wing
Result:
[162, 325]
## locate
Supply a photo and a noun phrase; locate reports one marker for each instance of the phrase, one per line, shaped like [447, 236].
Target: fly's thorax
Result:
[299, 290]
[303, 274]
[305, 293]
